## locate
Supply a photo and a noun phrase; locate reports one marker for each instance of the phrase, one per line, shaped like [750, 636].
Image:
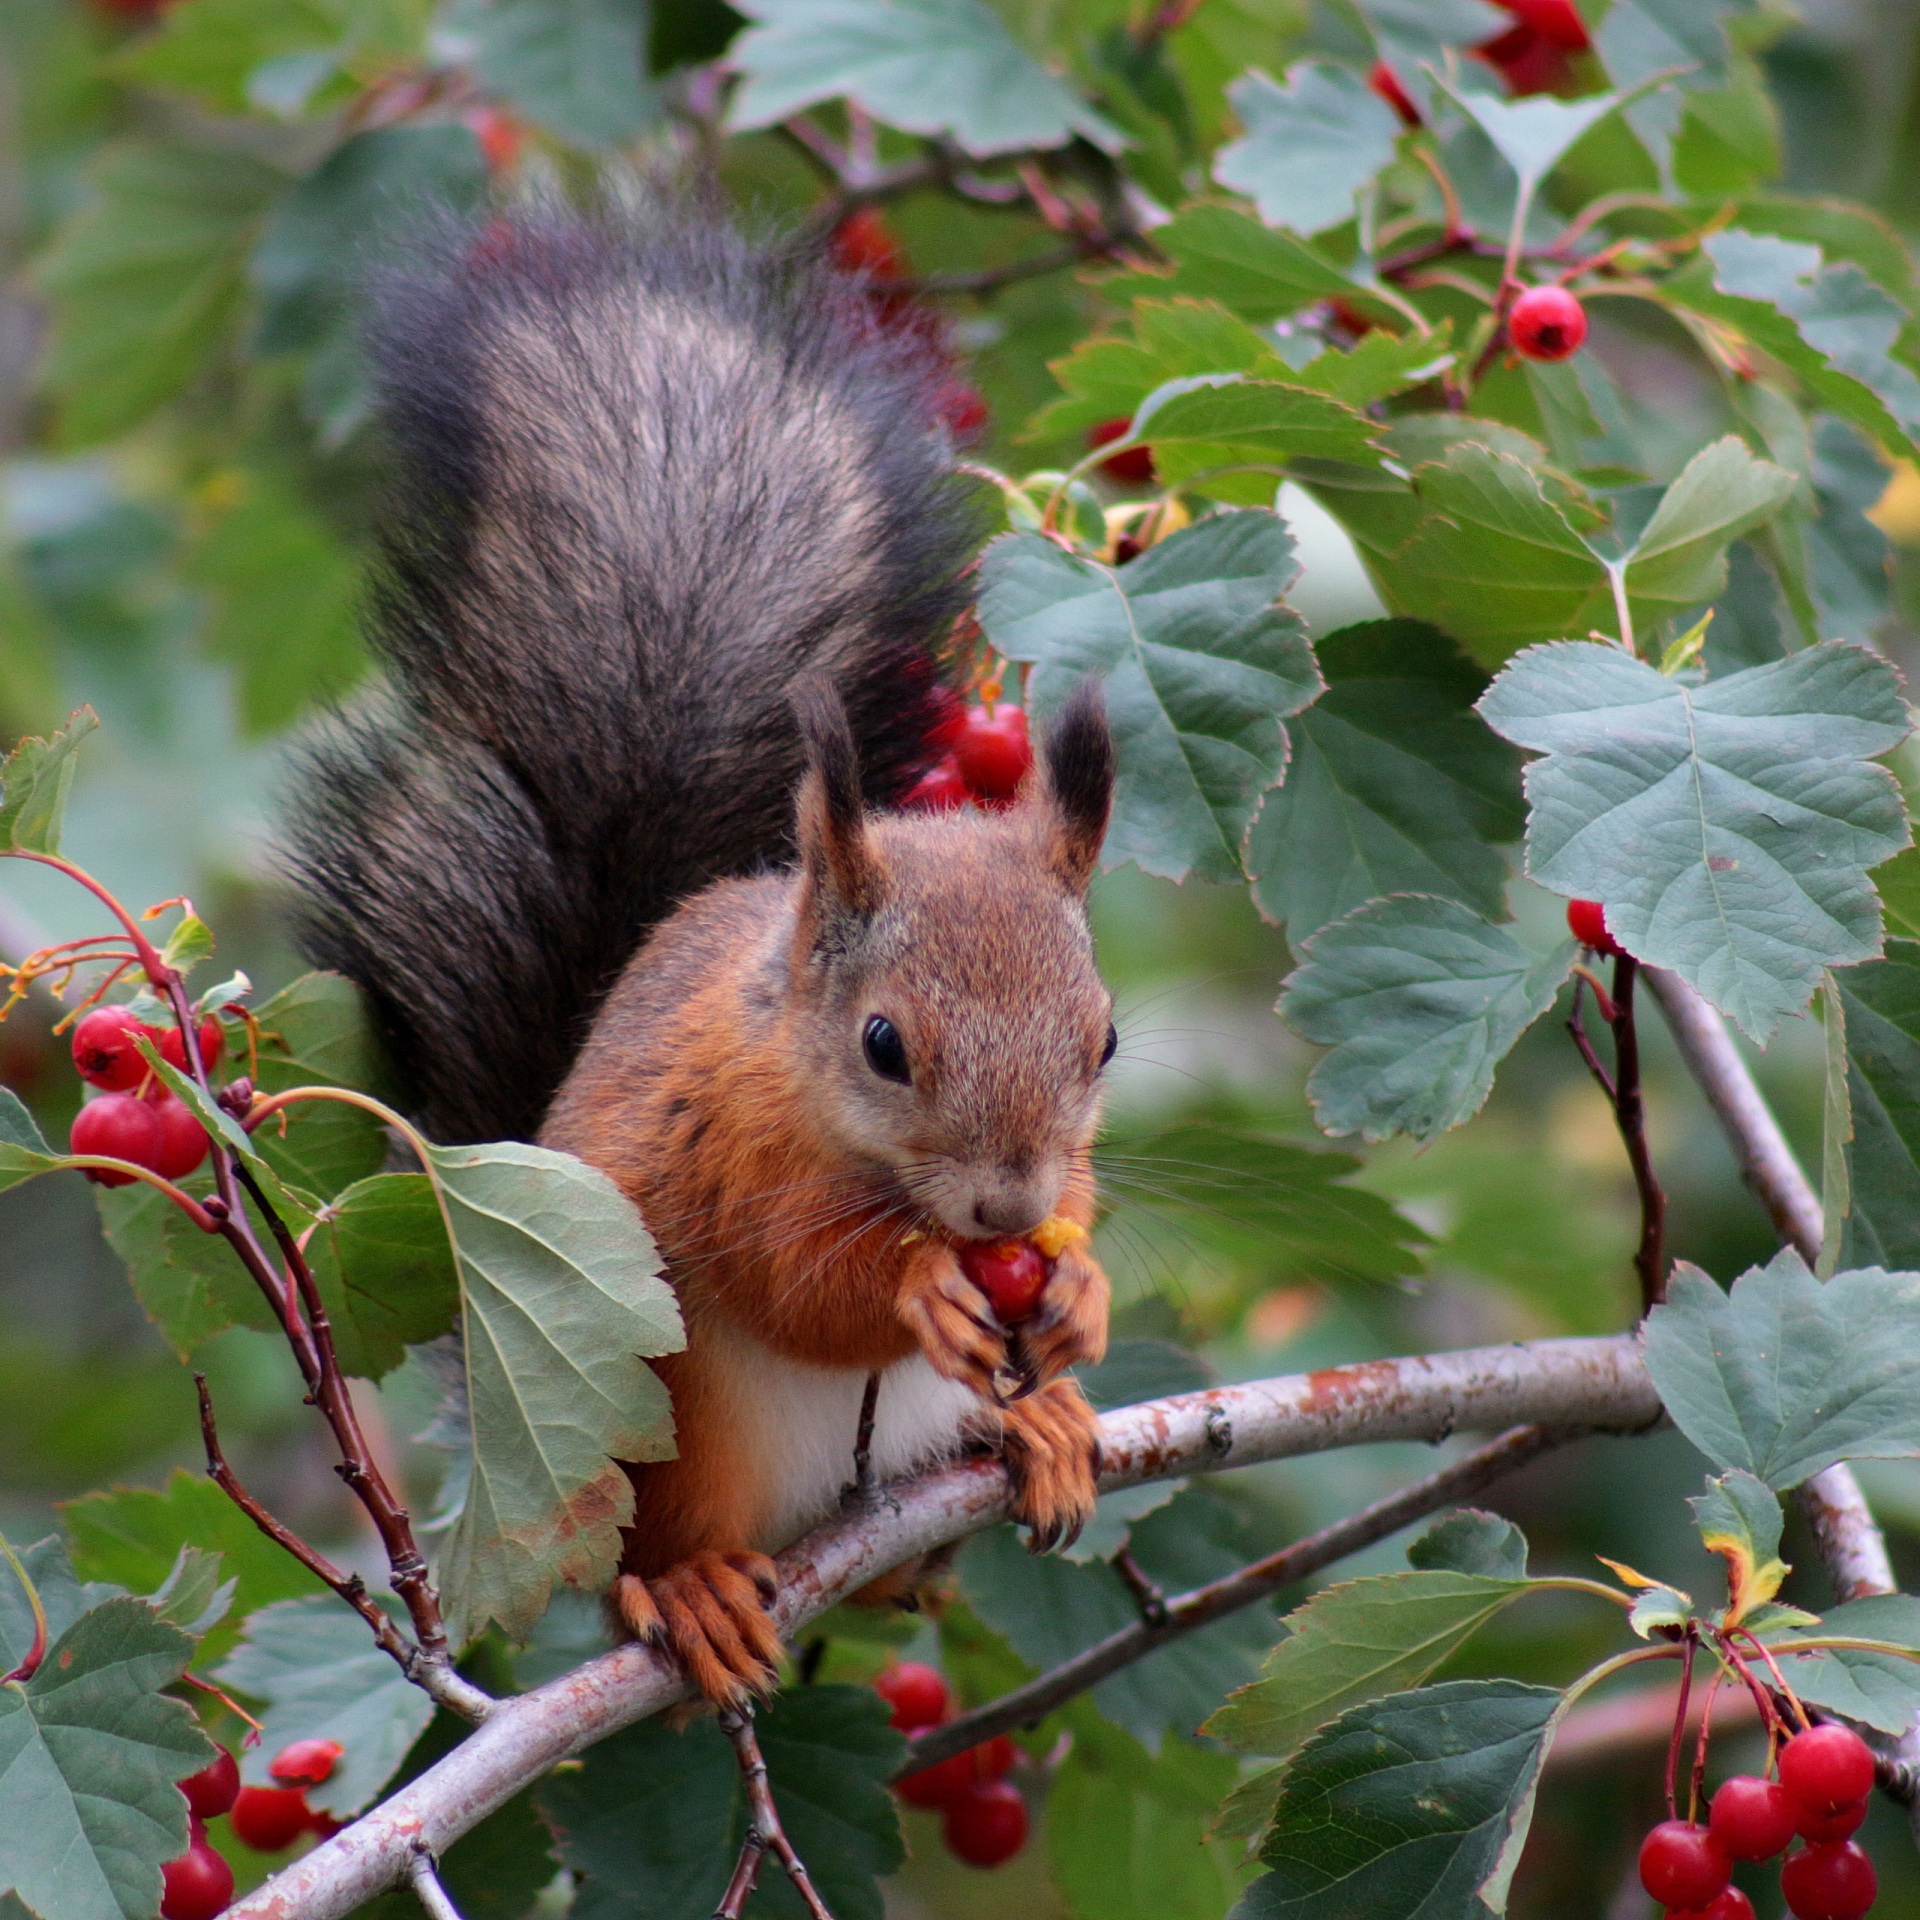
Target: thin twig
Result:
[1201, 1607]
[863, 1482]
[765, 1834]
[426, 1883]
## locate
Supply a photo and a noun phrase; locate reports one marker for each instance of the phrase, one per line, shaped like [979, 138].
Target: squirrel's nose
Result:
[1014, 1211]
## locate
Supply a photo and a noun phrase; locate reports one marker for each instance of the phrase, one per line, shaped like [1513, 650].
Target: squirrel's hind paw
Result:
[710, 1613]
[1051, 1444]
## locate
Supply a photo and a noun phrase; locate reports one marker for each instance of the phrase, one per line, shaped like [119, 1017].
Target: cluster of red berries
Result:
[983, 1819]
[153, 1128]
[1826, 1774]
[1587, 922]
[984, 754]
[863, 243]
[199, 1884]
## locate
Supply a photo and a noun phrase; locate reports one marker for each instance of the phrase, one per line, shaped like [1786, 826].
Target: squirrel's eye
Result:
[1113, 1042]
[886, 1052]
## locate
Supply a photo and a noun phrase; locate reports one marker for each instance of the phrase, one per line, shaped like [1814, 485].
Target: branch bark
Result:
[1592, 1385]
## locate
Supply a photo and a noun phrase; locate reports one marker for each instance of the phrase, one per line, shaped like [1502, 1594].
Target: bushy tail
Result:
[645, 478]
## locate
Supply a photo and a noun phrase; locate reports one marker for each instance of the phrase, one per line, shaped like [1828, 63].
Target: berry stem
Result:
[37, 1648]
[156, 968]
[1688, 1653]
[1696, 1784]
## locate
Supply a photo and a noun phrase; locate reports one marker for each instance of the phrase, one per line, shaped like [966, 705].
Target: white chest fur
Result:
[804, 1421]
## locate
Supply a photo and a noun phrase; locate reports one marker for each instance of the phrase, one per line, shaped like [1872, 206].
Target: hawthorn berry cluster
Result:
[1820, 1798]
[983, 1819]
[199, 1884]
[983, 755]
[132, 1116]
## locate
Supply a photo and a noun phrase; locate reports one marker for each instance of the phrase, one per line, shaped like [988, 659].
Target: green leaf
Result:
[1877, 1689]
[1534, 134]
[316, 1666]
[63, 1599]
[1680, 558]
[1728, 827]
[576, 67]
[1049, 1609]
[341, 221]
[1471, 1541]
[145, 278]
[1881, 1007]
[653, 1818]
[1209, 423]
[190, 1284]
[315, 1032]
[1419, 999]
[1307, 148]
[1899, 887]
[193, 1596]
[133, 1535]
[1396, 785]
[1492, 558]
[1220, 254]
[385, 1271]
[1406, 1808]
[1740, 1519]
[1831, 326]
[1354, 1642]
[1201, 661]
[1126, 1831]
[90, 1749]
[1381, 365]
[927, 66]
[562, 1298]
[35, 779]
[272, 566]
[1783, 1376]
[1281, 1211]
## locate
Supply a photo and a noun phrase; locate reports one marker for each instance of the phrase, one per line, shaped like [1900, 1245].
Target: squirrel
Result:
[662, 599]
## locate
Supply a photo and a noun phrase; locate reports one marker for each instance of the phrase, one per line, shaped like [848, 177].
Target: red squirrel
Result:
[674, 547]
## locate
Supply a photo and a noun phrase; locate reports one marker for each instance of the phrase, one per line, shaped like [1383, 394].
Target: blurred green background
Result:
[182, 556]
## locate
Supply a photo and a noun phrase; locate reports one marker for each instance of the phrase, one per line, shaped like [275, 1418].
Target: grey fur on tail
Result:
[645, 479]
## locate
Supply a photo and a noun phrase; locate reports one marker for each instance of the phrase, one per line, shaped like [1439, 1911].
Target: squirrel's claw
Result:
[951, 1321]
[1051, 1444]
[1068, 1326]
[710, 1613]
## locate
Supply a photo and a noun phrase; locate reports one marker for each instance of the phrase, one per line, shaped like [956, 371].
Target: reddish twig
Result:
[765, 1834]
[1689, 1651]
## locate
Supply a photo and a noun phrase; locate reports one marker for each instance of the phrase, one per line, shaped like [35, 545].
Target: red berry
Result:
[1528, 61]
[947, 1781]
[1587, 922]
[1547, 323]
[120, 1126]
[1752, 1819]
[270, 1818]
[182, 1139]
[916, 1692]
[1829, 1883]
[1555, 21]
[1842, 1824]
[1134, 467]
[104, 1049]
[305, 1763]
[212, 1041]
[500, 137]
[987, 1825]
[196, 1886]
[949, 723]
[1682, 1866]
[1731, 1904]
[1825, 1769]
[960, 409]
[1386, 83]
[864, 243]
[994, 753]
[1011, 1273]
[938, 789]
[213, 1790]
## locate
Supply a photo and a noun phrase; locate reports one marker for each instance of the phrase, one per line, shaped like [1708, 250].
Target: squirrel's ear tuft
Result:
[1077, 758]
[832, 823]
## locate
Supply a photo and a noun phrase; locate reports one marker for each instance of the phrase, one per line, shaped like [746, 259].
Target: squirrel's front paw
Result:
[1068, 1325]
[951, 1320]
[710, 1612]
[1051, 1443]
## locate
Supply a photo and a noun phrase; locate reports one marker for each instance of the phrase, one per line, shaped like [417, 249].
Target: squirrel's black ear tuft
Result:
[832, 821]
[1078, 758]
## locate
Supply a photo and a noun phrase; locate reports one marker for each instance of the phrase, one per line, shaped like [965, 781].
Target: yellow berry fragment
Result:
[1054, 1235]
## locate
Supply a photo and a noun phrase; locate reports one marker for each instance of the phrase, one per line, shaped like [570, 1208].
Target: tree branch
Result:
[1598, 1385]
[1852, 1548]
[1167, 1620]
